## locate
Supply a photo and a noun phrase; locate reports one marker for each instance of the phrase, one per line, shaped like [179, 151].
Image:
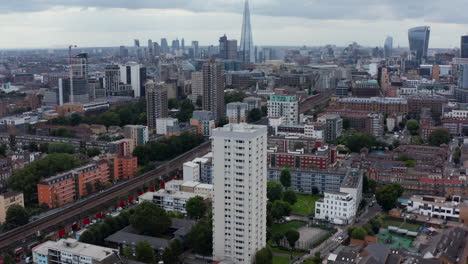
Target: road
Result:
[11, 238]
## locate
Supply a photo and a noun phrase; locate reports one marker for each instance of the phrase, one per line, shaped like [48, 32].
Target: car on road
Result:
[428, 219]
[340, 238]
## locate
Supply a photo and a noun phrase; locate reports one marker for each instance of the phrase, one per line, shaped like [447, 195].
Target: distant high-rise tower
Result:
[137, 43]
[464, 46]
[213, 89]
[196, 50]
[227, 48]
[388, 46]
[240, 189]
[112, 80]
[419, 42]
[156, 103]
[246, 45]
[223, 47]
[182, 43]
[150, 47]
[164, 46]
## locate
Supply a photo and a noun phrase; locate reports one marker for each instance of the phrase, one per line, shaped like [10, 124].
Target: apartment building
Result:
[71, 251]
[284, 106]
[138, 133]
[239, 203]
[237, 112]
[66, 187]
[8, 199]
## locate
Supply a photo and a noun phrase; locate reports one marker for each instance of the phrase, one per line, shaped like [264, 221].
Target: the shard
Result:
[246, 45]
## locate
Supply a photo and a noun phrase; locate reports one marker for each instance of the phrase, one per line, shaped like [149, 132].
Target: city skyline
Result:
[47, 25]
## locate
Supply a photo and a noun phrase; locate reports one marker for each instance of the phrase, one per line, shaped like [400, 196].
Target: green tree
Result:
[186, 111]
[128, 252]
[290, 197]
[98, 185]
[88, 237]
[75, 119]
[199, 102]
[410, 163]
[173, 103]
[234, 97]
[387, 195]
[173, 252]
[3, 150]
[346, 123]
[372, 186]
[196, 207]
[412, 126]
[292, 236]
[57, 147]
[439, 136]
[457, 155]
[355, 141]
[280, 209]
[254, 115]
[276, 237]
[92, 152]
[200, 238]
[285, 178]
[8, 259]
[358, 233]
[264, 256]
[274, 191]
[62, 132]
[150, 218]
[16, 216]
[145, 252]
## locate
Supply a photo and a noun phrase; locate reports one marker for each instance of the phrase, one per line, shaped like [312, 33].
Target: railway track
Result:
[22, 233]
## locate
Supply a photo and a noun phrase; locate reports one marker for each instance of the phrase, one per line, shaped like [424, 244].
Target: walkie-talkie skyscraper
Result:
[246, 45]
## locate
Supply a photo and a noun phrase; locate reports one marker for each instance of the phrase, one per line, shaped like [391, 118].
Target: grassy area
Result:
[305, 204]
[280, 260]
[401, 224]
[282, 228]
[287, 252]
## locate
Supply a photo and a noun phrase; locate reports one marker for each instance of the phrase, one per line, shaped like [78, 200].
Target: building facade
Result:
[239, 204]
[156, 103]
[213, 89]
[284, 106]
[237, 112]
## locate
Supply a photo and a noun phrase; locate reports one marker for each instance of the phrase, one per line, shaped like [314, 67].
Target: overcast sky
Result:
[57, 23]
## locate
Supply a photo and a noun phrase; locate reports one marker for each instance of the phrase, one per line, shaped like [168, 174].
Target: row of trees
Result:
[166, 149]
[355, 141]
[127, 114]
[387, 195]
[371, 228]
[26, 179]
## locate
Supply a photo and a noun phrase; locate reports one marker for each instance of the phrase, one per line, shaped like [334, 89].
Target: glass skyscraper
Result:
[388, 46]
[419, 42]
[464, 46]
[246, 45]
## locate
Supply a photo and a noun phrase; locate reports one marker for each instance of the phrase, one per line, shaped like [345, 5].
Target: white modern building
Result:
[162, 125]
[341, 207]
[239, 202]
[284, 106]
[237, 112]
[314, 130]
[169, 200]
[70, 251]
[131, 74]
[191, 171]
[438, 207]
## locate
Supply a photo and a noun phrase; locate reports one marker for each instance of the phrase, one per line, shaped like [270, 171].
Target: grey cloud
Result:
[428, 10]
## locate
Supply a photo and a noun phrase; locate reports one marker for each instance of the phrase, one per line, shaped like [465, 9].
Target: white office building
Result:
[131, 74]
[284, 106]
[191, 171]
[239, 203]
[70, 251]
[163, 125]
[341, 207]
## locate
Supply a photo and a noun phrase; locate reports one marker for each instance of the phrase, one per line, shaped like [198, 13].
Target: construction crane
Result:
[71, 70]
